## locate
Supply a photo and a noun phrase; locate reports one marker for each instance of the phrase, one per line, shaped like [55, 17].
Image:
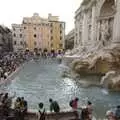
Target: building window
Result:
[60, 31]
[23, 22]
[51, 31]
[51, 45]
[15, 42]
[61, 25]
[20, 30]
[25, 44]
[60, 45]
[51, 37]
[35, 43]
[20, 35]
[14, 29]
[60, 37]
[14, 35]
[51, 25]
[34, 28]
[24, 27]
[35, 35]
[21, 43]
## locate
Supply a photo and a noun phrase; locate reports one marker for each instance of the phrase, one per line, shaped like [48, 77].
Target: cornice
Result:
[86, 5]
[85, 2]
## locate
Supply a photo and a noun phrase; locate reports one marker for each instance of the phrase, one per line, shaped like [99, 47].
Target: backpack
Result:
[71, 103]
[118, 113]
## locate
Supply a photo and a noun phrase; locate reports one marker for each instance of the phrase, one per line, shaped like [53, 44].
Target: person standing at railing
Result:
[90, 109]
[54, 106]
[117, 112]
[24, 107]
[41, 111]
[74, 104]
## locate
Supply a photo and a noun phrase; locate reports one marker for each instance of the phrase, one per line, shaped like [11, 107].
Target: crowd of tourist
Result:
[20, 108]
[80, 112]
[49, 54]
[86, 112]
[9, 62]
[6, 111]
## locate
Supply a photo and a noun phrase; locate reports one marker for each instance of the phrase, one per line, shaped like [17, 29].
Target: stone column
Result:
[85, 29]
[76, 34]
[78, 27]
[93, 29]
[116, 25]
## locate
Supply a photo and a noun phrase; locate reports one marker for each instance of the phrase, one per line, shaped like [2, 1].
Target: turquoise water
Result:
[41, 80]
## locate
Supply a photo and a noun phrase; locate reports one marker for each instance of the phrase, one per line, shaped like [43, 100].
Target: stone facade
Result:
[97, 23]
[40, 33]
[5, 39]
[18, 37]
[69, 40]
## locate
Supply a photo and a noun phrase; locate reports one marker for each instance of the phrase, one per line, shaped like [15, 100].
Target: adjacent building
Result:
[40, 33]
[57, 32]
[69, 40]
[5, 40]
[37, 32]
[97, 23]
[18, 37]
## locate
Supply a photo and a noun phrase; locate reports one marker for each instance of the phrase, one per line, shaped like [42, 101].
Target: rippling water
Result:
[39, 81]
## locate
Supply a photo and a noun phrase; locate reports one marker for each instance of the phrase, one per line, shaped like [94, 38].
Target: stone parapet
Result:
[68, 115]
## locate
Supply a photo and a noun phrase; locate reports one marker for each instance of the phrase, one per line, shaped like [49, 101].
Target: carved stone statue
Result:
[104, 32]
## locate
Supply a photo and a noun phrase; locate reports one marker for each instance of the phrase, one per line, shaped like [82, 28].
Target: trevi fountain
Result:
[97, 41]
[95, 59]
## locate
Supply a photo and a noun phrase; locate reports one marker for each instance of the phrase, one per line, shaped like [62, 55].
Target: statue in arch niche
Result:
[105, 32]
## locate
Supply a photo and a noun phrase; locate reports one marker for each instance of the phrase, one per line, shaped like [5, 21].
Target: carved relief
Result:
[102, 20]
[110, 30]
[89, 24]
[89, 31]
[89, 16]
[105, 31]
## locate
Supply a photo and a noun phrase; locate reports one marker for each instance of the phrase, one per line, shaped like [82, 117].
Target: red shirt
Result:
[75, 104]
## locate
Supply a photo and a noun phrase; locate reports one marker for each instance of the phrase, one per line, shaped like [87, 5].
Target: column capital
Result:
[94, 2]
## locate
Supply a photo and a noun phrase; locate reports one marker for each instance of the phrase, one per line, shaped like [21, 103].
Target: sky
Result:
[13, 11]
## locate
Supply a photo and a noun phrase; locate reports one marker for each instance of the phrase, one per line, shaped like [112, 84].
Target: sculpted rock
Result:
[81, 66]
[114, 83]
[107, 78]
[111, 80]
[104, 61]
[98, 62]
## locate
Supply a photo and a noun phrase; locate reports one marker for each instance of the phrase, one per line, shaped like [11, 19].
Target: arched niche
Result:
[107, 8]
[105, 22]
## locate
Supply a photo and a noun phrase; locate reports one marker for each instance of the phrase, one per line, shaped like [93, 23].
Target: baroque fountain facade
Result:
[97, 41]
